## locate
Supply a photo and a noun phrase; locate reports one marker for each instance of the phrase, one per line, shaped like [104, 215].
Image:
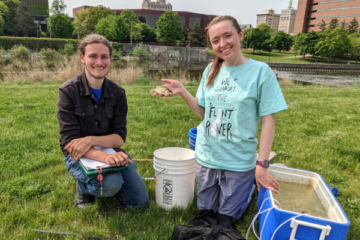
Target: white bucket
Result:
[175, 177]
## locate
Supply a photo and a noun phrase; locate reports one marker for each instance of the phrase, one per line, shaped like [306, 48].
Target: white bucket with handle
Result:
[175, 177]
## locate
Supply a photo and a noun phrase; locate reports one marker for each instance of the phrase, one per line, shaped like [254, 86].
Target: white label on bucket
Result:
[167, 191]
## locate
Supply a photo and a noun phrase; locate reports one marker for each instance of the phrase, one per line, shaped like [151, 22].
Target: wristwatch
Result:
[264, 163]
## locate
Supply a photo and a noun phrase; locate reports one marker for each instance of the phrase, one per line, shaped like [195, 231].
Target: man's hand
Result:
[78, 147]
[264, 178]
[117, 159]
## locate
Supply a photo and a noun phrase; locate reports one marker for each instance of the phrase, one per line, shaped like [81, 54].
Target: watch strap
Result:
[264, 163]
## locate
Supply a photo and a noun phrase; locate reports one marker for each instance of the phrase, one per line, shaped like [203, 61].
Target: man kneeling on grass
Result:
[92, 112]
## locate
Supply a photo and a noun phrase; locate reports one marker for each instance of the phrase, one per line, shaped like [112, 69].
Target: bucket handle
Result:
[165, 169]
[325, 230]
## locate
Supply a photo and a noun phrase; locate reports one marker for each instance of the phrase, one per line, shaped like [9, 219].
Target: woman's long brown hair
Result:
[216, 64]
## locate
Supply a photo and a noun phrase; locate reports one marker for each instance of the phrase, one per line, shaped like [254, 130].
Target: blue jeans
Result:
[126, 186]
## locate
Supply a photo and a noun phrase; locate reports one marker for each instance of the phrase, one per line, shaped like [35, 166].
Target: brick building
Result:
[310, 13]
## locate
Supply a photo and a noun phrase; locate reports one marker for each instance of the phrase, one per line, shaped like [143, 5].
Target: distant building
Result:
[160, 5]
[269, 18]
[246, 26]
[310, 13]
[79, 9]
[37, 7]
[187, 19]
[287, 20]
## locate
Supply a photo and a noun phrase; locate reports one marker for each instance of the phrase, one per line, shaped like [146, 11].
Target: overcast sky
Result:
[243, 10]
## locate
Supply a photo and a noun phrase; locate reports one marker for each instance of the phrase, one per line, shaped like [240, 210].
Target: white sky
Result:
[243, 10]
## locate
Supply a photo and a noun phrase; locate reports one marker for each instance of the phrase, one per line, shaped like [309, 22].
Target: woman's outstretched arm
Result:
[178, 89]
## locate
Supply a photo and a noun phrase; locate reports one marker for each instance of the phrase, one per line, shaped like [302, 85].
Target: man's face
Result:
[96, 60]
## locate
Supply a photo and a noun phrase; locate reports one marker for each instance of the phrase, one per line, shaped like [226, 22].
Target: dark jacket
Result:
[80, 115]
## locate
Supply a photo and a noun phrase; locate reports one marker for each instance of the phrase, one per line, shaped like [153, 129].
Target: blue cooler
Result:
[304, 227]
[192, 137]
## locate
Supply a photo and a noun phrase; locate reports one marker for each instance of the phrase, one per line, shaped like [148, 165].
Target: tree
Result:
[258, 37]
[61, 26]
[355, 51]
[267, 45]
[343, 24]
[86, 20]
[311, 39]
[196, 36]
[281, 41]
[129, 17]
[113, 27]
[2, 24]
[58, 6]
[169, 28]
[353, 26]
[332, 43]
[322, 25]
[137, 32]
[9, 15]
[245, 42]
[299, 44]
[24, 21]
[333, 23]
[147, 32]
[3, 10]
[131, 20]
[354, 35]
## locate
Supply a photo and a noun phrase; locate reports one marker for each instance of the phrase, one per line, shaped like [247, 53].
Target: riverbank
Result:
[316, 133]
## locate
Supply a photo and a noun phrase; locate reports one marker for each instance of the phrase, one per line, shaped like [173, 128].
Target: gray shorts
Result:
[224, 191]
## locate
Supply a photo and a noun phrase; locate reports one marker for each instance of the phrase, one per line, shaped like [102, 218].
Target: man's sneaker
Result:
[82, 200]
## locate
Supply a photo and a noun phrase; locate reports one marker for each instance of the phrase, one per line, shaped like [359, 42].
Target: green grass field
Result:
[289, 57]
[319, 132]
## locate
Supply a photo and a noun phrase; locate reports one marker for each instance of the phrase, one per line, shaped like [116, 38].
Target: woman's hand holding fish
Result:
[174, 86]
[264, 178]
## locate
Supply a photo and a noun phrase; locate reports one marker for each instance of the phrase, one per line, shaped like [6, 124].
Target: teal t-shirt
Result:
[239, 96]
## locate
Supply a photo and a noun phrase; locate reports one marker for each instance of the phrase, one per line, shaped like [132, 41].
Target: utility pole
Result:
[130, 34]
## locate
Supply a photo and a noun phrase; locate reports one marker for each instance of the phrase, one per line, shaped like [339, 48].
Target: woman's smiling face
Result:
[225, 40]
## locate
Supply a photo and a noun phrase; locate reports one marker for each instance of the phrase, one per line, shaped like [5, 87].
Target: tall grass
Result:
[43, 70]
[20, 51]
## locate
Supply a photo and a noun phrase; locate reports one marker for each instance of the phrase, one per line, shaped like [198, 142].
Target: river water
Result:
[195, 71]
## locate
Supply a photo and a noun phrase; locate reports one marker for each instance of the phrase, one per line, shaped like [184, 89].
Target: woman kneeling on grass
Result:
[234, 93]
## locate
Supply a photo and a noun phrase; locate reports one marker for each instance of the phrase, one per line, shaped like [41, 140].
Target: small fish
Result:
[161, 90]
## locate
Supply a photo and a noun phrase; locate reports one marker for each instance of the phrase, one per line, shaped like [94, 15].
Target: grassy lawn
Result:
[319, 132]
[289, 57]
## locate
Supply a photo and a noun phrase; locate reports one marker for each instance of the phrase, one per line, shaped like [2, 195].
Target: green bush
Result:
[48, 52]
[20, 50]
[140, 51]
[36, 44]
[117, 53]
[69, 49]
[2, 51]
